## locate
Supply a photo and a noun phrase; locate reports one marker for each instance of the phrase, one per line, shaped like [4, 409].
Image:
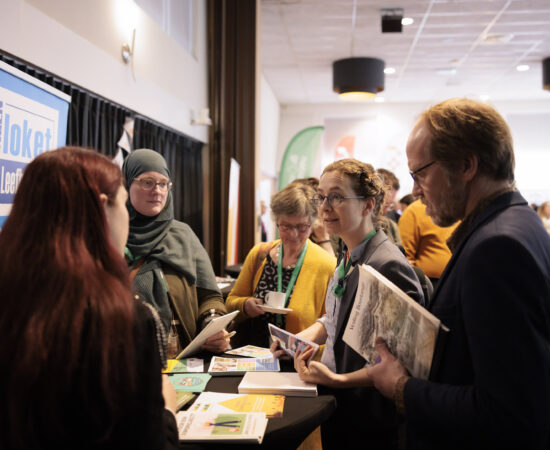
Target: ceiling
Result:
[453, 48]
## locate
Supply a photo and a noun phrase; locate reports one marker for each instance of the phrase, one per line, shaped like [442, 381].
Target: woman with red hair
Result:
[79, 361]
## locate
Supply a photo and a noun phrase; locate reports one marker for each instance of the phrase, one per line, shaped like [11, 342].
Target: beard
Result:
[450, 206]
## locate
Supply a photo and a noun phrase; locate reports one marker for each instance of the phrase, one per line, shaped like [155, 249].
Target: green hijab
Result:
[161, 240]
[146, 232]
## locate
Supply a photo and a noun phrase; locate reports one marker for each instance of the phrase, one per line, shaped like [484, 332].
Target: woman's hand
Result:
[169, 394]
[217, 343]
[314, 372]
[251, 308]
[277, 351]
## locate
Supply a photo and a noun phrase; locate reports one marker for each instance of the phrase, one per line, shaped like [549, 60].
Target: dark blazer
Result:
[377, 419]
[492, 388]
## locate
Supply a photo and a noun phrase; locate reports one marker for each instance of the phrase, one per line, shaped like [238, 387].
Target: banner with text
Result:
[33, 120]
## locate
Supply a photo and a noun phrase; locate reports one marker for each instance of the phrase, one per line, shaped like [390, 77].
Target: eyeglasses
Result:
[148, 184]
[301, 227]
[414, 173]
[332, 199]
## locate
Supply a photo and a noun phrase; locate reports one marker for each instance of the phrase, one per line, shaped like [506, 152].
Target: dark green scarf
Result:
[161, 240]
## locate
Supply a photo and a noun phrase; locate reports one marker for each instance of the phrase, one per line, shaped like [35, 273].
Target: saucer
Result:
[272, 309]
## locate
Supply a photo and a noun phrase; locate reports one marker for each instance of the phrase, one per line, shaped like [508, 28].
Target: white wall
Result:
[529, 122]
[81, 40]
[267, 151]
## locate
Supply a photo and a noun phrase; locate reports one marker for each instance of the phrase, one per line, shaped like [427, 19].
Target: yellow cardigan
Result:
[308, 298]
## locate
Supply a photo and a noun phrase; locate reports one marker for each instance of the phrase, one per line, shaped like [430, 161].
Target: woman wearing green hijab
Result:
[170, 268]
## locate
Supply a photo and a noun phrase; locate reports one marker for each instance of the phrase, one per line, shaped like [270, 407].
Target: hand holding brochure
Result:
[289, 342]
[215, 325]
[382, 309]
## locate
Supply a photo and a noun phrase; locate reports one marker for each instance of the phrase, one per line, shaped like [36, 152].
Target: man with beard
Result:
[491, 388]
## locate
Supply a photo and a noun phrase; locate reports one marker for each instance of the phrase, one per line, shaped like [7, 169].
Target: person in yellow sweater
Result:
[303, 268]
[424, 242]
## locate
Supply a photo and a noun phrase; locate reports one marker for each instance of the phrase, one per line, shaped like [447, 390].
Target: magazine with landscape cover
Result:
[382, 309]
[196, 426]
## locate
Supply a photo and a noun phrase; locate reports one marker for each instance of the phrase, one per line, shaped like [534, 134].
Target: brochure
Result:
[237, 366]
[190, 382]
[290, 342]
[251, 351]
[214, 326]
[211, 426]
[183, 397]
[271, 405]
[184, 365]
[382, 309]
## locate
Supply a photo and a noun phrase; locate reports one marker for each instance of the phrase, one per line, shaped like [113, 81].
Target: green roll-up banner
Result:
[300, 155]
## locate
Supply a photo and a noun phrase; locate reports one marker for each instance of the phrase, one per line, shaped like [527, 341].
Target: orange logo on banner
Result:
[345, 148]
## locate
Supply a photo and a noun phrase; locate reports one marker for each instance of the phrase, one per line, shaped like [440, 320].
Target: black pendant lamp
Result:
[358, 78]
[546, 73]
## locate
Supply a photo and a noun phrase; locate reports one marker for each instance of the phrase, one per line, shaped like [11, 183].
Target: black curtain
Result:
[95, 122]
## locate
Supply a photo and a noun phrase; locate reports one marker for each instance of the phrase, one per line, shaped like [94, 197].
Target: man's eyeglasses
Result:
[332, 199]
[148, 184]
[301, 228]
[414, 173]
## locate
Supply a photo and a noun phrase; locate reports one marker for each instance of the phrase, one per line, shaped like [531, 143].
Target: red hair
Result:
[67, 312]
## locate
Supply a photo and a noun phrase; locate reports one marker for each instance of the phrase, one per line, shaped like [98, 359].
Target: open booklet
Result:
[215, 325]
[289, 342]
[213, 426]
[382, 309]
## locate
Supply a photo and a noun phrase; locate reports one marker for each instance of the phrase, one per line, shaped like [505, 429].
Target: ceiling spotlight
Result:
[407, 21]
[546, 73]
[522, 68]
[389, 70]
[379, 99]
[391, 20]
[358, 78]
[484, 97]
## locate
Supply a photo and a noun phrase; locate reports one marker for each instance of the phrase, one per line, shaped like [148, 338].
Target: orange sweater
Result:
[424, 242]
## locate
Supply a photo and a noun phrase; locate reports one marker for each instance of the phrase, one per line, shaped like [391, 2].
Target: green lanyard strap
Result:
[343, 268]
[294, 275]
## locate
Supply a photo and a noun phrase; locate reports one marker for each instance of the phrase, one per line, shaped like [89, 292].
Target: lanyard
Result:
[343, 268]
[294, 275]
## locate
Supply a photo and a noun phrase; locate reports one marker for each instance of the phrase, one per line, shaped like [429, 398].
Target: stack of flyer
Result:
[214, 426]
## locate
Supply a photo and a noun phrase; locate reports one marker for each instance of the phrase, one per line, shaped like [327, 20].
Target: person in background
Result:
[261, 224]
[424, 242]
[349, 200]
[544, 213]
[494, 295]
[80, 358]
[404, 202]
[169, 266]
[389, 216]
[319, 234]
[293, 265]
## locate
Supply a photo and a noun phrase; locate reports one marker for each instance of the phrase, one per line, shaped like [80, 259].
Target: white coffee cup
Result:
[275, 299]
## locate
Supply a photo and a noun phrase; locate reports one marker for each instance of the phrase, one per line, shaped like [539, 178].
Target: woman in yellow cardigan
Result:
[304, 270]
